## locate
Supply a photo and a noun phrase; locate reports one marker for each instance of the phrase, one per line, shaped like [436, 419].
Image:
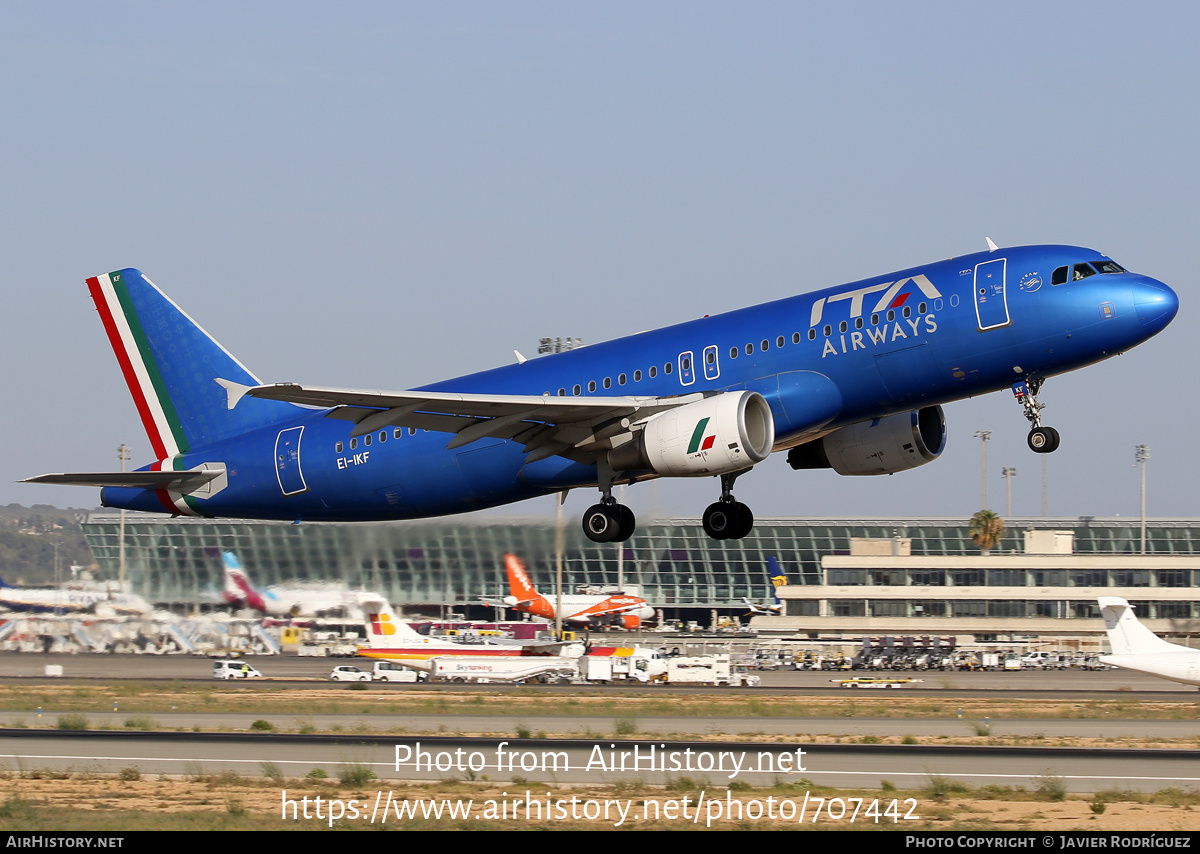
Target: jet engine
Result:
[718, 435]
[882, 446]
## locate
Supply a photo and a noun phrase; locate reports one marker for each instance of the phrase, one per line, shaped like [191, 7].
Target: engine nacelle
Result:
[718, 435]
[883, 446]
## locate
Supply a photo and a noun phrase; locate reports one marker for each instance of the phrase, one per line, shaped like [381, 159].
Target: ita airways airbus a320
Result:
[850, 378]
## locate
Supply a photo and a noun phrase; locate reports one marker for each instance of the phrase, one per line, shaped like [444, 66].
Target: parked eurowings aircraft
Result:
[1135, 647]
[778, 579]
[280, 601]
[579, 609]
[70, 600]
[849, 378]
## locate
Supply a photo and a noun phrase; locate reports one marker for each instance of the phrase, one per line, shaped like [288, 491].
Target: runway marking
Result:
[810, 774]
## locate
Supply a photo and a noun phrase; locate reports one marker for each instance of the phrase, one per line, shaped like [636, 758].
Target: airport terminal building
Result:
[846, 577]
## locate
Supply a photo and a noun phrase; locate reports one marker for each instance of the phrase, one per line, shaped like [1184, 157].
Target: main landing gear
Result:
[1041, 440]
[610, 522]
[728, 519]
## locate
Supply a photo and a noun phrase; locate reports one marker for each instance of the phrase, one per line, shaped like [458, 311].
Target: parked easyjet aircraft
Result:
[849, 378]
[587, 609]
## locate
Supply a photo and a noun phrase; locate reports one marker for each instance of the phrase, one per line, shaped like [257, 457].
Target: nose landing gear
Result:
[1041, 440]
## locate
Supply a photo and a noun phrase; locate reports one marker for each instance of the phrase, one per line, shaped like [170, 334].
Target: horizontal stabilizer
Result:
[175, 481]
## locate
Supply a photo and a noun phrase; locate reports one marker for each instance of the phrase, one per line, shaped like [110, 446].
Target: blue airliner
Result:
[849, 378]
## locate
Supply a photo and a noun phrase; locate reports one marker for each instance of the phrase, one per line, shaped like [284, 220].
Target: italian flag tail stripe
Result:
[129, 343]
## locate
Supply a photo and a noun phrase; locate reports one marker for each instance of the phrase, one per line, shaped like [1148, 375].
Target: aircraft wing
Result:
[572, 427]
[176, 481]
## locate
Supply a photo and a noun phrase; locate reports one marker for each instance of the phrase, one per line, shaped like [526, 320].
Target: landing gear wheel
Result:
[609, 523]
[728, 520]
[601, 523]
[626, 524]
[1043, 440]
[745, 521]
[719, 520]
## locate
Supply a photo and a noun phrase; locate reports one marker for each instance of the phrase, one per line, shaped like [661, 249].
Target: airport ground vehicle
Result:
[516, 669]
[390, 671]
[233, 669]
[349, 673]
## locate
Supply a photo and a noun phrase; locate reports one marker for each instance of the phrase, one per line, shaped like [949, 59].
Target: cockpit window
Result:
[1109, 267]
[1059, 277]
[1082, 271]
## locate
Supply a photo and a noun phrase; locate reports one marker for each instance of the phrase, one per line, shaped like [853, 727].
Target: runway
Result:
[285, 668]
[598, 760]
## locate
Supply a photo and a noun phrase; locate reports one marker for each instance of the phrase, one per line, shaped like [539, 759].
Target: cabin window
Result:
[412, 431]
[383, 435]
[842, 326]
[780, 341]
[733, 352]
[796, 337]
[591, 386]
[668, 367]
[766, 345]
[608, 382]
[398, 432]
[653, 371]
[562, 392]
[353, 444]
[710, 356]
[828, 330]
[812, 335]
[921, 308]
[621, 379]
[637, 376]
[874, 319]
[858, 324]
[367, 440]
[907, 311]
[891, 315]
[576, 389]
[337, 449]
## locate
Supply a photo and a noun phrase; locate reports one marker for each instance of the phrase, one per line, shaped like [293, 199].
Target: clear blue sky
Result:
[387, 194]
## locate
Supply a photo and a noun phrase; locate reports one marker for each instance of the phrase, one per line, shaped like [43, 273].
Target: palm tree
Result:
[986, 530]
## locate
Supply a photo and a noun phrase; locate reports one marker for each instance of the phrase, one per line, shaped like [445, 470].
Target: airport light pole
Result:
[1141, 453]
[983, 435]
[1008, 472]
[123, 456]
[1044, 483]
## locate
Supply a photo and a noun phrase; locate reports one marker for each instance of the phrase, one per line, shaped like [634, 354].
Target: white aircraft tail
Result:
[1126, 635]
[384, 628]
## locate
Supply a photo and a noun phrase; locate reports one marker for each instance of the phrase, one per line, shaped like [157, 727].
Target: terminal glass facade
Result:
[673, 562]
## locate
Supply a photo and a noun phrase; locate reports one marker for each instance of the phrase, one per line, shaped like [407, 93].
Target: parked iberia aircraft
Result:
[850, 378]
[579, 609]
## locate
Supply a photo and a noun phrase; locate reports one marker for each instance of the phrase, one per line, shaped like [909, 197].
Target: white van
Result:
[389, 671]
[234, 669]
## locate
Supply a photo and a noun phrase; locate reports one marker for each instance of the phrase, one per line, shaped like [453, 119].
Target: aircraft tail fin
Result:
[519, 585]
[172, 367]
[384, 628]
[777, 576]
[1126, 634]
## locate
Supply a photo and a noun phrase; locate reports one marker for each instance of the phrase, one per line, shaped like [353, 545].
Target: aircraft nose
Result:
[1156, 305]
